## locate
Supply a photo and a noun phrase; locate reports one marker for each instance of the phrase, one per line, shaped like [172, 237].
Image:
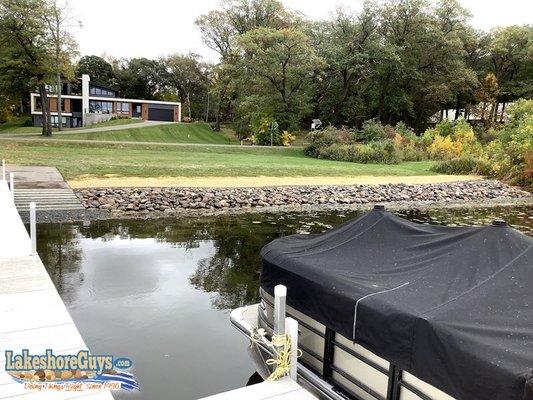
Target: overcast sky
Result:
[152, 28]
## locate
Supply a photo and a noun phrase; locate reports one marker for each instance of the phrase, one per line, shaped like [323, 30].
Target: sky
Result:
[153, 28]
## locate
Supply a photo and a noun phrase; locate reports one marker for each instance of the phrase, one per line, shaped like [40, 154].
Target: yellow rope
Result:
[281, 347]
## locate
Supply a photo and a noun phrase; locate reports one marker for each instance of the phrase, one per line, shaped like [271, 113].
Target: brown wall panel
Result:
[144, 111]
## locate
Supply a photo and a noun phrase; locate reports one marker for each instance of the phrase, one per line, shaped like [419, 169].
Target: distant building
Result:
[96, 103]
[476, 113]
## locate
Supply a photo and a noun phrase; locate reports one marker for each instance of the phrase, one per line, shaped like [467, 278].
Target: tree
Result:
[429, 60]
[350, 46]
[65, 47]
[511, 61]
[279, 65]
[188, 75]
[27, 48]
[221, 28]
[142, 78]
[97, 68]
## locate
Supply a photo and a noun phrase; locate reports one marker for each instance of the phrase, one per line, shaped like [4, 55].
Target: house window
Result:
[102, 107]
[55, 120]
[123, 108]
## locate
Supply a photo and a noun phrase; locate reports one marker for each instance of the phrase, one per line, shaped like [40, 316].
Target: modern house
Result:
[96, 103]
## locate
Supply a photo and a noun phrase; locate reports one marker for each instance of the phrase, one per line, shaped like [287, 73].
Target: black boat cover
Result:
[451, 305]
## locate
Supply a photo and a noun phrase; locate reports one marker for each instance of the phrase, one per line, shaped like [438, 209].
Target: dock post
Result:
[33, 229]
[12, 184]
[292, 331]
[280, 298]
[3, 169]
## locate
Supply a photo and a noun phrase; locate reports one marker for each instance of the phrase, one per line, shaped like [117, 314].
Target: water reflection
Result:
[159, 291]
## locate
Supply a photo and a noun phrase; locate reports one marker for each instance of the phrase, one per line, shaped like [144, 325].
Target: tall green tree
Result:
[189, 76]
[221, 30]
[97, 68]
[26, 49]
[279, 65]
[58, 22]
[429, 63]
[142, 78]
[351, 48]
[511, 61]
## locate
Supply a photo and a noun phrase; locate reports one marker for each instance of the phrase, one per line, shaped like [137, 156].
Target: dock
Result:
[32, 314]
[283, 389]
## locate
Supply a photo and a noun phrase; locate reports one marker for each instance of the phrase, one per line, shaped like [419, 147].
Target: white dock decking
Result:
[283, 389]
[32, 315]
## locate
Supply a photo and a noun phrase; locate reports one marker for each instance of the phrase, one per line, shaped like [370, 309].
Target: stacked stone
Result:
[171, 199]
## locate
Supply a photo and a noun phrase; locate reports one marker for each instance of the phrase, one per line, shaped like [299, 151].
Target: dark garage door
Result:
[160, 114]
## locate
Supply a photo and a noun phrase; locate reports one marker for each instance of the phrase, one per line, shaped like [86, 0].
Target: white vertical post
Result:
[292, 331]
[33, 229]
[12, 184]
[3, 169]
[280, 298]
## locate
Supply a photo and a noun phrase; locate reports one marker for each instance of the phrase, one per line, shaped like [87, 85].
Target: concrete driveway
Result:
[140, 124]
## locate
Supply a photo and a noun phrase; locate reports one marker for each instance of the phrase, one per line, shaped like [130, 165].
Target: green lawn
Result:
[167, 133]
[97, 159]
[19, 125]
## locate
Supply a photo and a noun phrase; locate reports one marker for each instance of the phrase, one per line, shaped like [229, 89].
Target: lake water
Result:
[160, 291]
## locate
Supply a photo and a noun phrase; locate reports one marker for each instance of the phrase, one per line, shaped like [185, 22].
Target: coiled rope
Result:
[281, 347]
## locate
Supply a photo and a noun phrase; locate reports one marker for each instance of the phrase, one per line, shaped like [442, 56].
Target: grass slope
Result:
[19, 125]
[167, 133]
[96, 159]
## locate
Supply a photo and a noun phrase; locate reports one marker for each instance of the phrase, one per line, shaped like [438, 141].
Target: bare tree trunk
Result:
[47, 121]
[189, 105]
[59, 108]
[457, 108]
[58, 51]
[207, 109]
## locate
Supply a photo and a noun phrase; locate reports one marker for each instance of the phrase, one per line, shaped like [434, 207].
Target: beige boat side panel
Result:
[361, 371]
[361, 350]
[424, 387]
[351, 365]
[351, 387]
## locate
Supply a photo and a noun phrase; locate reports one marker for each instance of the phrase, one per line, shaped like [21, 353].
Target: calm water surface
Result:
[160, 291]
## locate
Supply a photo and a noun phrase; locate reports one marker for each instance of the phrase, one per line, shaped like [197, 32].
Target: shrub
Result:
[373, 130]
[456, 166]
[464, 165]
[410, 145]
[445, 128]
[450, 140]
[444, 148]
[382, 152]
[263, 133]
[511, 153]
[287, 138]
[324, 138]
[370, 131]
